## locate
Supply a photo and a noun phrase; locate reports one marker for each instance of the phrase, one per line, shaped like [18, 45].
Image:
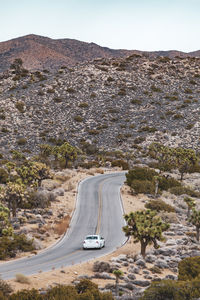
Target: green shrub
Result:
[159, 205]
[21, 141]
[120, 163]
[32, 294]
[9, 246]
[62, 292]
[155, 270]
[143, 186]
[156, 89]
[136, 101]
[20, 106]
[189, 268]
[140, 173]
[180, 190]
[78, 119]
[5, 288]
[83, 105]
[172, 290]
[166, 183]
[3, 176]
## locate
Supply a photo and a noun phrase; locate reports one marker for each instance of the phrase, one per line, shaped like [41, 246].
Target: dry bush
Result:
[22, 278]
[62, 226]
[99, 171]
[62, 178]
[168, 217]
[70, 186]
[90, 173]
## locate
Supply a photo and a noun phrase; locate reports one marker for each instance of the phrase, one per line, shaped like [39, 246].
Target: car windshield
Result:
[91, 238]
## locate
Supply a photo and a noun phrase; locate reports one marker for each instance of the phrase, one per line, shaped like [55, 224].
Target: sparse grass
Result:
[62, 226]
[22, 279]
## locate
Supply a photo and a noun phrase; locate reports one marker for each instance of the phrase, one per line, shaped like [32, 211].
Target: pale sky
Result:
[119, 24]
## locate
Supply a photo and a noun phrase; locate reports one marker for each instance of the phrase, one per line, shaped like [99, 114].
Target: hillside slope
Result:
[112, 103]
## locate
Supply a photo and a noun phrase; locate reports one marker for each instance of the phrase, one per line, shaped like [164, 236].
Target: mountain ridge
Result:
[39, 52]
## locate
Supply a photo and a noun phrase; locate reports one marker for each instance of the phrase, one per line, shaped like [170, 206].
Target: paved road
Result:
[99, 210]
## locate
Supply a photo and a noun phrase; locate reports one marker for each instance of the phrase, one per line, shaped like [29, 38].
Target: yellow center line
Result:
[100, 207]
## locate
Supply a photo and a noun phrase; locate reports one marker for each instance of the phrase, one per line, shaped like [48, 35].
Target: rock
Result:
[140, 262]
[59, 192]
[134, 270]
[166, 251]
[161, 264]
[142, 283]
[49, 184]
[150, 258]
[131, 276]
[103, 275]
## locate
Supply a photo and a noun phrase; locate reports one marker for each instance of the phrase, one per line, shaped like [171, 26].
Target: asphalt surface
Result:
[98, 211]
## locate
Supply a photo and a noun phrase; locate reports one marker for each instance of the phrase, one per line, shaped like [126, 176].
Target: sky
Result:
[147, 25]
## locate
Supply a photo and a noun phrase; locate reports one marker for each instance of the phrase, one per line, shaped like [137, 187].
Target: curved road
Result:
[98, 211]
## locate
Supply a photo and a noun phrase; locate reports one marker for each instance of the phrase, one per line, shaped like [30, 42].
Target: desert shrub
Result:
[136, 101]
[57, 99]
[22, 278]
[3, 176]
[159, 205]
[178, 116]
[140, 173]
[32, 294]
[155, 270]
[50, 91]
[21, 141]
[62, 292]
[10, 245]
[5, 288]
[188, 91]
[62, 226]
[78, 119]
[170, 289]
[20, 106]
[147, 129]
[93, 131]
[189, 268]
[83, 105]
[89, 290]
[180, 190]
[168, 217]
[156, 89]
[90, 164]
[101, 266]
[166, 183]
[194, 168]
[143, 186]
[120, 163]
[139, 139]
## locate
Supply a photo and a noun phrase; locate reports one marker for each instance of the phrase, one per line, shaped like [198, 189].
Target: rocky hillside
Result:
[119, 103]
[40, 52]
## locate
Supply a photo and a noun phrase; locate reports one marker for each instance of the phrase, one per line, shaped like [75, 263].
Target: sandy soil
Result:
[68, 274]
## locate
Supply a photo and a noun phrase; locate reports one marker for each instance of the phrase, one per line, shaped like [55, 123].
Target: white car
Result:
[93, 242]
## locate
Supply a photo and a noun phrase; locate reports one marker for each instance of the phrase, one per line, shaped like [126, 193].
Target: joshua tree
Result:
[190, 203]
[195, 220]
[145, 227]
[118, 274]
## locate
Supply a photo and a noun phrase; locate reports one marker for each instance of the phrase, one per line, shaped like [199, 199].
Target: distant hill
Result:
[38, 52]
